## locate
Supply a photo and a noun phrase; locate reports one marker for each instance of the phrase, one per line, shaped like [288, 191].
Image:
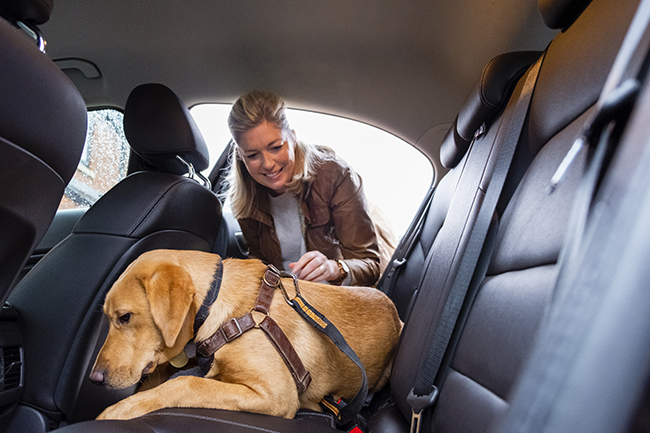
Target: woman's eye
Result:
[251, 156]
[124, 318]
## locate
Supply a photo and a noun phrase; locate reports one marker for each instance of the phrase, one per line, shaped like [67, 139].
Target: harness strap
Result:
[288, 354]
[235, 327]
[227, 332]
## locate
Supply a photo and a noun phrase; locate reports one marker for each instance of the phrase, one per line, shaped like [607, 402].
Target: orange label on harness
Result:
[310, 313]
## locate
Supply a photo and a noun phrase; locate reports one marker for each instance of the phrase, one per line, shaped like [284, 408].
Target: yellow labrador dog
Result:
[152, 307]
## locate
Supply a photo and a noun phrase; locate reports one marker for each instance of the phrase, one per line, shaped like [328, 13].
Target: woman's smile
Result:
[269, 156]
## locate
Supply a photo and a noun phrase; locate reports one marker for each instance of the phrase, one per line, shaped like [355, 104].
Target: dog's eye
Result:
[124, 318]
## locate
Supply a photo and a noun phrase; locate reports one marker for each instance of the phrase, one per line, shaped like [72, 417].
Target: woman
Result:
[300, 207]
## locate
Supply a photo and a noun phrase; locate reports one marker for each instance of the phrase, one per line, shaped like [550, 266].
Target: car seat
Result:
[42, 133]
[512, 289]
[59, 302]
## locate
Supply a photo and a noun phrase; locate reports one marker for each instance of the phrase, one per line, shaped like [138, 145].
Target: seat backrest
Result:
[482, 106]
[501, 319]
[59, 302]
[42, 134]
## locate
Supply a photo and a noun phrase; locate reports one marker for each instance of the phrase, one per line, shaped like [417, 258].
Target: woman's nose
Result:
[267, 160]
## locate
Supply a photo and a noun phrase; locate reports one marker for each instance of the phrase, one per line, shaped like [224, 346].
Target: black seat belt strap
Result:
[424, 394]
[390, 276]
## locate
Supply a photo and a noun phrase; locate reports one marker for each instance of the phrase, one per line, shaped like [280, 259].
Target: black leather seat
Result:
[59, 301]
[42, 134]
[491, 344]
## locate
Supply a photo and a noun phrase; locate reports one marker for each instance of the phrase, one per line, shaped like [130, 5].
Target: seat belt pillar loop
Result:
[397, 263]
[418, 404]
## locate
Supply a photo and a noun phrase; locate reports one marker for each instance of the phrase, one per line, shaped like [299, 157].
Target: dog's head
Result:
[150, 313]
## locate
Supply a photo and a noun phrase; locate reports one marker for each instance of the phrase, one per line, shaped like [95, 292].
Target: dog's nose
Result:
[97, 377]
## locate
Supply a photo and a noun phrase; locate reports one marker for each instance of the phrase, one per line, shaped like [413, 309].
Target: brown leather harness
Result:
[344, 411]
[235, 327]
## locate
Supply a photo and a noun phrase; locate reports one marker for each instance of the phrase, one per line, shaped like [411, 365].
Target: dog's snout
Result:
[97, 377]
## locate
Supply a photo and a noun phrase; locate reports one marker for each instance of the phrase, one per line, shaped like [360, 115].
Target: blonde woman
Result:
[300, 207]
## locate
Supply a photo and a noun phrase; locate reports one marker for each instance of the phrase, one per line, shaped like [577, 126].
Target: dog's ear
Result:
[170, 292]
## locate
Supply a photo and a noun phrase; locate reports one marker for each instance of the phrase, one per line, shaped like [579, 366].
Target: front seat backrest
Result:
[42, 134]
[60, 300]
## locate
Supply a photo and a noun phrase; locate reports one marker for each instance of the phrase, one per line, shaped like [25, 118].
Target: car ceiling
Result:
[405, 66]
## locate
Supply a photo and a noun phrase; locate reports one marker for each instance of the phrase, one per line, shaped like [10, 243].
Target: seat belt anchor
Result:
[418, 404]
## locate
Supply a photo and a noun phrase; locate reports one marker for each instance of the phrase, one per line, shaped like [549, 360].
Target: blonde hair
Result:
[248, 112]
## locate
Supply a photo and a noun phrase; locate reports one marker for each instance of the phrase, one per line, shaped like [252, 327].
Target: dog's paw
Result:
[131, 407]
[115, 412]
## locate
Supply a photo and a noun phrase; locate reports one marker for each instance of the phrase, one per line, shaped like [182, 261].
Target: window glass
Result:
[395, 175]
[103, 163]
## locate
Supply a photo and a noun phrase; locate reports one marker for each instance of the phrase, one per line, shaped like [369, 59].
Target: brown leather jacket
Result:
[337, 223]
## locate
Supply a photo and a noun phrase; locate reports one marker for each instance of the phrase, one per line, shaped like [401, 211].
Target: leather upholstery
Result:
[60, 301]
[159, 127]
[32, 11]
[483, 103]
[42, 133]
[205, 420]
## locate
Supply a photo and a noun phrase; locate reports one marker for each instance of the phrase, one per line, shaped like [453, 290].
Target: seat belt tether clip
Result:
[418, 403]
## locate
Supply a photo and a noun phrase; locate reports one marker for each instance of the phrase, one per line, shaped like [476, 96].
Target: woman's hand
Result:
[315, 266]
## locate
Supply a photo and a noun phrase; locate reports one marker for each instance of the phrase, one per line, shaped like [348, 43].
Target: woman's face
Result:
[269, 156]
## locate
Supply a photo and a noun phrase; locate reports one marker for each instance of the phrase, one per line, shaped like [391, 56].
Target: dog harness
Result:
[344, 412]
[235, 327]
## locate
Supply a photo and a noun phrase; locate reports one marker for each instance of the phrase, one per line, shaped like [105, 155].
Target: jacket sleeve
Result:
[355, 229]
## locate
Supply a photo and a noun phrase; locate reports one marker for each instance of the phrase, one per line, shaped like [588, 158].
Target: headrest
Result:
[30, 11]
[497, 81]
[41, 111]
[560, 14]
[159, 127]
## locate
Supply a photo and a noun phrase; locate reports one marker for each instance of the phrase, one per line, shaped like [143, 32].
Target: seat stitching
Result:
[150, 210]
[207, 418]
[482, 94]
[324, 415]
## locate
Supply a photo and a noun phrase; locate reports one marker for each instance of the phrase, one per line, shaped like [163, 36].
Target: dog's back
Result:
[365, 317]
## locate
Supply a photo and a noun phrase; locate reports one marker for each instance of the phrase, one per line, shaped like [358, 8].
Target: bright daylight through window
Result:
[395, 175]
[103, 162]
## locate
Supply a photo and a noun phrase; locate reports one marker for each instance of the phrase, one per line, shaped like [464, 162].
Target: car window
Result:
[103, 163]
[396, 176]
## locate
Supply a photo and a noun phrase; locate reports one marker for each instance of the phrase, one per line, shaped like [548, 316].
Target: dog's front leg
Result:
[189, 391]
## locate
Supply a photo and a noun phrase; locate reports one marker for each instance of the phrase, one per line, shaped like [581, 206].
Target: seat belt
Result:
[399, 259]
[424, 394]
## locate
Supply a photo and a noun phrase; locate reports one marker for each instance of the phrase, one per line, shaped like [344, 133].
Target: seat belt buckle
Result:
[418, 404]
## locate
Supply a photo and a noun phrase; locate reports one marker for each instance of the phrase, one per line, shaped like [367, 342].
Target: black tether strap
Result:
[343, 412]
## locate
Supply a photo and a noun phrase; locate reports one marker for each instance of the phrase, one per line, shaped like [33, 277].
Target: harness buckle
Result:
[229, 331]
[283, 274]
[418, 404]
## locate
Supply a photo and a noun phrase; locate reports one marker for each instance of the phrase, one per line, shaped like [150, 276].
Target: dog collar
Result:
[212, 295]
